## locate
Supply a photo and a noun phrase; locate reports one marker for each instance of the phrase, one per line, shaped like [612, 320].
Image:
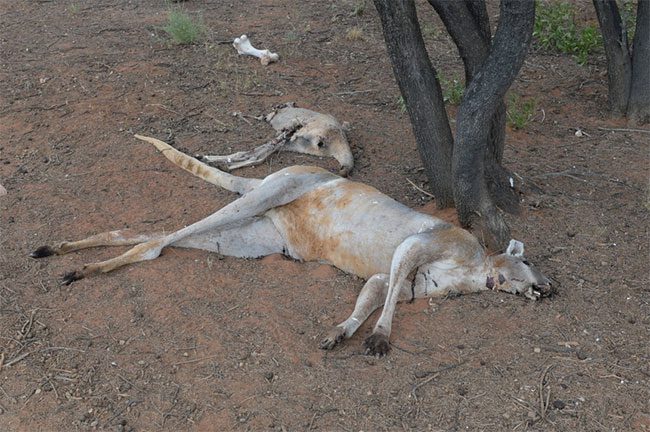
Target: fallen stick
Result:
[252, 157]
[624, 130]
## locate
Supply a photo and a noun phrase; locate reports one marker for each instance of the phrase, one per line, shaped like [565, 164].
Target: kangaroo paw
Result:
[72, 276]
[377, 344]
[333, 338]
[42, 252]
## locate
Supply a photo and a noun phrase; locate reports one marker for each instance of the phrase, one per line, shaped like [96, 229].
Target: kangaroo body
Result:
[310, 214]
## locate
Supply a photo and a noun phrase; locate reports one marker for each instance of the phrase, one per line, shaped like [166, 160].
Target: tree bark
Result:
[482, 98]
[416, 78]
[619, 67]
[468, 24]
[467, 34]
[638, 107]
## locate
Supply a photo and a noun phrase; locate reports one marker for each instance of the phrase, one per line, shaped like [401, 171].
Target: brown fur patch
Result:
[307, 222]
[350, 192]
[462, 242]
[448, 214]
[311, 231]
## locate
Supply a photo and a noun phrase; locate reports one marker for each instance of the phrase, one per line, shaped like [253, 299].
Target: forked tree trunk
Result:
[619, 66]
[628, 70]
[482, 98]
[638, 107]
[474, 172]
[416, 78]
[468, 25]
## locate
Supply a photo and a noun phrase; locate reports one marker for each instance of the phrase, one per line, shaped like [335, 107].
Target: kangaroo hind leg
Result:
[108, 238]
[250, 238]
[273, 192]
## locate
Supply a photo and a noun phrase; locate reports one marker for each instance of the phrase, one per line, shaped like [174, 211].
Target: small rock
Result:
[559, 404]
[581, 355]
[537, 350]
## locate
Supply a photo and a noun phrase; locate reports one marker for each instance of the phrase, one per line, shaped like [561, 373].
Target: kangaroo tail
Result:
[210, 174]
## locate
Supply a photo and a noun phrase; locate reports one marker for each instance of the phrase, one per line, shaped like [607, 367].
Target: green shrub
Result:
[520, 112]
[401, 104]
[452, 90]
[555, 29]
[182, 28]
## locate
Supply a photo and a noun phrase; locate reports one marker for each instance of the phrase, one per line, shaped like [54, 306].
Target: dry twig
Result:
[419, 189]
[624, 130]
[433, 375]
[544, 401]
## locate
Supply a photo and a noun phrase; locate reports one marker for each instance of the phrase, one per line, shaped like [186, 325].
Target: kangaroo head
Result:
[321, 138]
[511, 272]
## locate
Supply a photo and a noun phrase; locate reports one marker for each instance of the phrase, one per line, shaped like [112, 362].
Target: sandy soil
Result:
[195, 341]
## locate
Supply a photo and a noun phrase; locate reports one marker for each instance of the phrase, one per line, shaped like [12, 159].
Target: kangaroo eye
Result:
[320, 144]
[526, 262]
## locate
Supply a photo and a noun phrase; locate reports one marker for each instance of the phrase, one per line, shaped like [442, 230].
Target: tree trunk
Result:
[619, 67]
[416, 78]
[482, 98]
[468, 24]
[638, 107]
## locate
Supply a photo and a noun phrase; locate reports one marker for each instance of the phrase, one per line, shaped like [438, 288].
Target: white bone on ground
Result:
[243, 46]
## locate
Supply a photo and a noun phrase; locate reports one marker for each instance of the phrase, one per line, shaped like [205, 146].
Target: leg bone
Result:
[252, 157]
[243, 46]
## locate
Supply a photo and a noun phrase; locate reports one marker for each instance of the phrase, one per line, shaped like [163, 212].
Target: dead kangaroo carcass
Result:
[310, 214]
[299, 130]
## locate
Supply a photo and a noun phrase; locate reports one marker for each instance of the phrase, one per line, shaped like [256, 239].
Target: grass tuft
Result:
[359, 8]
[354, 34]
[452, 89]
[401, 104]
[520, 112]
[182, 28]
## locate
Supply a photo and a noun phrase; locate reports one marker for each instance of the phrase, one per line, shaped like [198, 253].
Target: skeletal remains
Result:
[310, 214]
[300, 130]
[244, 47]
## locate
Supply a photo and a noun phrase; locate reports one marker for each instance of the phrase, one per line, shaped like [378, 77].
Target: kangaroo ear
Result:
[515, 248]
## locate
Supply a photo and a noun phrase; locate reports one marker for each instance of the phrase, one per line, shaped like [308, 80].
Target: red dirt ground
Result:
[195, 341]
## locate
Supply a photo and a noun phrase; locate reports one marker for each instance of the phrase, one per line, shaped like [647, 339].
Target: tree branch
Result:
[416, 78]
